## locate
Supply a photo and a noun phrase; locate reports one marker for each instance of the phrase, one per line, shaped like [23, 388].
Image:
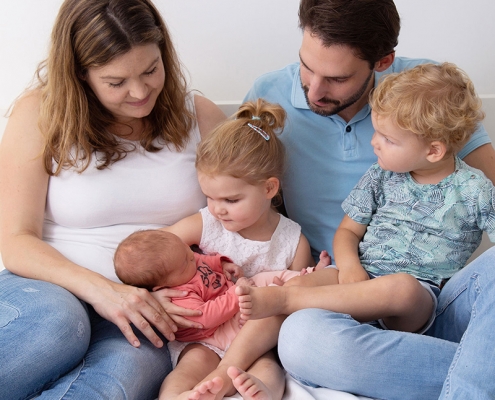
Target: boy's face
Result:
[397, 150]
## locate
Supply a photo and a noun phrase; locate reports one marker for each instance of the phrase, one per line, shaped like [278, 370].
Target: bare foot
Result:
[325, 260]
[248, 386]
[206, 390]
[260, 302]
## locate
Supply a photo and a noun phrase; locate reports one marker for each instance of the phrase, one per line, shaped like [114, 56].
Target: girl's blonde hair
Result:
[92, 33]
[237, 149]
[436, 102]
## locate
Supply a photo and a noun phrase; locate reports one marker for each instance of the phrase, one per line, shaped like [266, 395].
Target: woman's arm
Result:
[23, 190]
[208, 115]
[345, 247]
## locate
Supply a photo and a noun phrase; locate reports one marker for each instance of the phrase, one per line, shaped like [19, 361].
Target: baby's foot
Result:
[206, 390]
[248, 386]
[260, 302]
[325, 260]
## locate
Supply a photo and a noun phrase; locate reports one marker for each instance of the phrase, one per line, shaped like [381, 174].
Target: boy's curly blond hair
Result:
[436, 102]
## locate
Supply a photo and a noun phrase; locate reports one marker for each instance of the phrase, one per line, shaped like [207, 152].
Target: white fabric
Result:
[88, 214]
[296, 391]
[276, 254]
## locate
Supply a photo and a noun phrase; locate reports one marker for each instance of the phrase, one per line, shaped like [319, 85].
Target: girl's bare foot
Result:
[248, 386]
[206, 390]
[260, 302]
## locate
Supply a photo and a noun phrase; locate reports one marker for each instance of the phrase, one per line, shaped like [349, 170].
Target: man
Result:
[347, 45]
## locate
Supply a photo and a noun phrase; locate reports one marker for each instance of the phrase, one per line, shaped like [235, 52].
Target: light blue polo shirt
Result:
[326, 156]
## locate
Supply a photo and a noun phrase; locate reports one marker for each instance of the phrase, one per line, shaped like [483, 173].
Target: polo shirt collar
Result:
[298, 99]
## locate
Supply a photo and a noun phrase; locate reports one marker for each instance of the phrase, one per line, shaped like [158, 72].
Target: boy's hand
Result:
[353, 274]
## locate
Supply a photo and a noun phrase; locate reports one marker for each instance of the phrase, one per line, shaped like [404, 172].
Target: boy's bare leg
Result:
[399, 299]
[195, 362]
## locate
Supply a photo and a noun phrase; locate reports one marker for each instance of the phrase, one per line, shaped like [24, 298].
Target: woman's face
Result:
[129, 85]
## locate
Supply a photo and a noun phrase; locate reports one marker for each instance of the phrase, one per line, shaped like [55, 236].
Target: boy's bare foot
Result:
[260, 302]
[248, 386]
[206, 390]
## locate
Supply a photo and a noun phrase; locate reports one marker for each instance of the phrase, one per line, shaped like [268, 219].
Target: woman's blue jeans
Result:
[54, 346]
[454, 360]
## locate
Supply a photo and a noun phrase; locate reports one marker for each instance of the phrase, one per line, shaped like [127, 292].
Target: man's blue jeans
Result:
[54, 346]
[455, 359]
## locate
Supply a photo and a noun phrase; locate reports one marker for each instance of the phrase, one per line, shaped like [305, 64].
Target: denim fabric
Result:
[454, 360]
[54, 346]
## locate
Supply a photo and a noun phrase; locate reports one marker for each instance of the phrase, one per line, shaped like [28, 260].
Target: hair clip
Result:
[255, 118]
[263, 134]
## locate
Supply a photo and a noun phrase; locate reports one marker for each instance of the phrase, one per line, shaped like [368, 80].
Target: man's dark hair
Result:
[370, 27]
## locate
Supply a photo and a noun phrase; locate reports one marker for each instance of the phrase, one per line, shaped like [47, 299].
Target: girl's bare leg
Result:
[253, 341]
[398, 299]
[195, 362]
[249, 349]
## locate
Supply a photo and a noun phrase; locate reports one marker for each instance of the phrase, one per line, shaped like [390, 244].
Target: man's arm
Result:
[483, 158]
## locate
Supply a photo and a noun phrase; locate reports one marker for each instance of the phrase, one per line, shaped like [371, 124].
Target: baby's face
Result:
[184, 265]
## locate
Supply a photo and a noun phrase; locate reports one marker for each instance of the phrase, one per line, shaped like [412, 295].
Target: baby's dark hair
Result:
[141, 258]
[246, 146]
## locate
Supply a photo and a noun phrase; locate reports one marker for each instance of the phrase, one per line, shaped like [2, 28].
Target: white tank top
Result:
[274, 255]
[88, 214]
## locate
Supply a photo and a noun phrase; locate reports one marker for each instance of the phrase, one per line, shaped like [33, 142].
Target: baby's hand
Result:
[243, 281]
[232, 271]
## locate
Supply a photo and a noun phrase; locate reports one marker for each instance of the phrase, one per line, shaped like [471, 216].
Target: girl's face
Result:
[129, 85]
[397, 150]
[234, 202]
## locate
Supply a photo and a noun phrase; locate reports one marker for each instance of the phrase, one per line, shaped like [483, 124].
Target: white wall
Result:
[226, 44]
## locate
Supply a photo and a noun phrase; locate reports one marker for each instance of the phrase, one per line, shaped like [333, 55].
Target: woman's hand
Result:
[176, 313]
[125, 305]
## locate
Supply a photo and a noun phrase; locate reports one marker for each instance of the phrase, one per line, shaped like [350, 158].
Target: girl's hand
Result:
[125, 305]
[232, 271]
[176, 313]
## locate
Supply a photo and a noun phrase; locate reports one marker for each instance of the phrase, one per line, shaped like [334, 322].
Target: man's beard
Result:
[339, 105]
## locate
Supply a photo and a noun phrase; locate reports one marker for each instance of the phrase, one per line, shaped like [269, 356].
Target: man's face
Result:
[334, 80]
